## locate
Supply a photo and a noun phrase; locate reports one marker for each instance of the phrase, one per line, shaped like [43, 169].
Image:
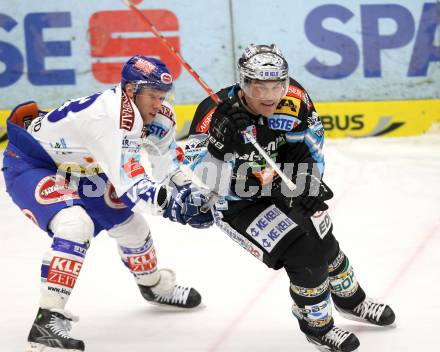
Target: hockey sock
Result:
[345, 289]
[59, 272]
[312, 307]
[141, 261]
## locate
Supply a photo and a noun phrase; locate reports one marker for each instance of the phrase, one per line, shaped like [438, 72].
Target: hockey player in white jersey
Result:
[77, 170]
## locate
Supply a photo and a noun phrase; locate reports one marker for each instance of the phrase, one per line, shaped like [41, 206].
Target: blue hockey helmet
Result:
[146, 72]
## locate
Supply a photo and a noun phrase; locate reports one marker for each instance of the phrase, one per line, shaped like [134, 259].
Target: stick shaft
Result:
[213, 96]
[173, 50]
[269, 160]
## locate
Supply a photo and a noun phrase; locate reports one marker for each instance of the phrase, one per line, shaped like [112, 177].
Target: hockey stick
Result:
[213, 196]
[173, 50]
[213, 96]
[269, 160]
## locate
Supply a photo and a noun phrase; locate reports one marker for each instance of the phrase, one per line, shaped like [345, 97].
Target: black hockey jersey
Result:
[293, 135]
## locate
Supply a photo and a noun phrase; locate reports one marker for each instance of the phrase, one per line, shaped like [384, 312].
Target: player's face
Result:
[263, 96]
[148, 101]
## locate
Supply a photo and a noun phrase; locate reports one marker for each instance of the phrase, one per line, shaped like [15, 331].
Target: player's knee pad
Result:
[331, 246]
[308, 253]
[131, 232]
[73, 224]
[137, 250]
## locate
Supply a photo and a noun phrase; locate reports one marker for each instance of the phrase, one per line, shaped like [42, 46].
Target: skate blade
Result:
[37, 347]
[170, 308]
[328, 349]
[324, 348]
[355, 318]
[365, 321]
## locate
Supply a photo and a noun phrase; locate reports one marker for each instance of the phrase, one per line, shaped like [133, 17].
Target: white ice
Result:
[386, 214]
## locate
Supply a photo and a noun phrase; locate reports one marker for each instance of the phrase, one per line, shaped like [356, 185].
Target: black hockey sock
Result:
[345, 289]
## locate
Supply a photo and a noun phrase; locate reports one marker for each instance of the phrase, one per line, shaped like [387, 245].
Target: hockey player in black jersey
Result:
[283, 228]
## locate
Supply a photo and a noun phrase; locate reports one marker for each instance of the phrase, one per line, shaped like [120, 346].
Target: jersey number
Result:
[72, 106]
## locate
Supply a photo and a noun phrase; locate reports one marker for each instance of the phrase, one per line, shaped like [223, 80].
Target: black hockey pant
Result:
[316, 266]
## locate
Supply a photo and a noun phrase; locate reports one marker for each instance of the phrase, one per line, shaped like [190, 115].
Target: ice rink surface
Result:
[386, 215]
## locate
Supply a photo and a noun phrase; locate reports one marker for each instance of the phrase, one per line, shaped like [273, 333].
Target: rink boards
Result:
[358, 119]
[340, 119]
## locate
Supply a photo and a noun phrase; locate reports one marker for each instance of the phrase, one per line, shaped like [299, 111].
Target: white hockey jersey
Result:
[104, 133]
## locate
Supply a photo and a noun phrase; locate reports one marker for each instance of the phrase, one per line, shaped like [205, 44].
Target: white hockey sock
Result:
[142, 262]
[59, 272]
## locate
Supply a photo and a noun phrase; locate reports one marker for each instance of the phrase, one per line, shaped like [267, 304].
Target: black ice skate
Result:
[336, 340]
[370, 311]
[167, 293]
[50, 332]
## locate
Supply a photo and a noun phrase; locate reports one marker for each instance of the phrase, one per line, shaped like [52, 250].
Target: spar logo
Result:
[119, 34]
[63, 271]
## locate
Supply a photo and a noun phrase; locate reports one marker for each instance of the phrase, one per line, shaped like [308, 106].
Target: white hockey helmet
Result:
[263, 63]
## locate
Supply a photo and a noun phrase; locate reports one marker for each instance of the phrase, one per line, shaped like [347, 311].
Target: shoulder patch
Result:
[203, 125]
[126, 120]
[298, 93]
[315, 124]
[168, 113]
[289, 106]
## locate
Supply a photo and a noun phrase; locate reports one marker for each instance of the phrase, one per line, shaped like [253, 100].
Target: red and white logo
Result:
[180, 154]
[295, 92]
[108, 47]
[298, 93]
[167, 112]
[143, 263]
[144, 66]
[126, 121]
[203, 126]
[54, 189]
[166, 78]
[63, 271]
[133, 168]
[111, 198]
[266, 175]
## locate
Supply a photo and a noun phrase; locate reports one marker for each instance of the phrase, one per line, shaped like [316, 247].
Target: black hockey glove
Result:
[312, 199]
[227, 123]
